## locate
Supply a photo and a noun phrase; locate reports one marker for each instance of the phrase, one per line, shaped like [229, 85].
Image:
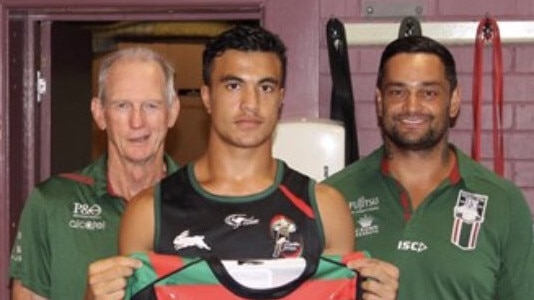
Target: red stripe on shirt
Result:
[299, 203]
[78, 178]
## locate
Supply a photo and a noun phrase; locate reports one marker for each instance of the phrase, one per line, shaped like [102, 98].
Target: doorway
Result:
[59, 79]
[25, 122]
[75, 140]
[51, 80]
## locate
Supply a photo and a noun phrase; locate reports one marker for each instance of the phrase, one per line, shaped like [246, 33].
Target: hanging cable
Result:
[488, 32]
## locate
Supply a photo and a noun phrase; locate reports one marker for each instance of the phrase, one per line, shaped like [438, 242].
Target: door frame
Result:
[302, 94]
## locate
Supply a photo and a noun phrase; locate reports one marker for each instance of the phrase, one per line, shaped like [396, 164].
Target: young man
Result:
[455, 229]
[282, 212]
[73, 219]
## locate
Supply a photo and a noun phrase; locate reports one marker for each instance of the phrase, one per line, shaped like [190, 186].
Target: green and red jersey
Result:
[166, 277]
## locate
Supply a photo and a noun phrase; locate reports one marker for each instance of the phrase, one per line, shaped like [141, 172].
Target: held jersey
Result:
[166, 277]
[281, 221]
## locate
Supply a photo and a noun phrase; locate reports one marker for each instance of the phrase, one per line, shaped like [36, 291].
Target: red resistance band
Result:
[488, 31]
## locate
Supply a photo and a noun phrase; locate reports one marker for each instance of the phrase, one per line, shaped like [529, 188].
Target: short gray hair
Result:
[143, 54]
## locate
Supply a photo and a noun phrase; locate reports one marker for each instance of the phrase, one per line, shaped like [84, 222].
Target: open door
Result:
[52, 74]
[27, 124]
[24, 113]
[51, 116]
[70, 96]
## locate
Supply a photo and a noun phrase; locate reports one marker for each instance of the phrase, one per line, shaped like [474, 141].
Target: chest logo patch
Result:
[239, 220]
[366, 226]
[468, 214]
[87, 217]
[364, 205]
[282, 230]
[183, 240]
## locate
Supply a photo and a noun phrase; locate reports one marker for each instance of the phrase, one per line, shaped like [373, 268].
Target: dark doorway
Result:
[62, 74]
[26, 25]
[52, 79]
[76, 50]
[70, 95]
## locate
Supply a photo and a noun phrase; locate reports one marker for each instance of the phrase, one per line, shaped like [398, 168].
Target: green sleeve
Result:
[30, 260]
[515, 279]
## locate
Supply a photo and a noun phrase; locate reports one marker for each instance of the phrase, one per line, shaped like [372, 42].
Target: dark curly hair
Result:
[243, 38]
[419, 44]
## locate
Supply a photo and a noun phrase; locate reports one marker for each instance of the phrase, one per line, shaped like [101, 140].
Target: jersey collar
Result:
[171, 167]
[454, 176]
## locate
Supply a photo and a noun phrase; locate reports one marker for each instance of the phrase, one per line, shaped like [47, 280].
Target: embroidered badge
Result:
[240, 220]
[87, 217]
[469, 214]
[282, 229]
[184, 240]
[364, 205]
[366, 226]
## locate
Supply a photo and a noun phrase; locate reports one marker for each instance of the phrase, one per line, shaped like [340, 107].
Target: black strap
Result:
[342, 102]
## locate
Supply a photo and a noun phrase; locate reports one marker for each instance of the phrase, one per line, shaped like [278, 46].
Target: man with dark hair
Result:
[455, 229]
[244, 72]
[72, 219]
[246, 38]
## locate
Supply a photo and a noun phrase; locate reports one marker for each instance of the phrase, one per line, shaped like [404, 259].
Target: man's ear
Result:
[97, 110]
[205, 96]
[456, 99]
[174, 112]
[281, 104]
[379, 104]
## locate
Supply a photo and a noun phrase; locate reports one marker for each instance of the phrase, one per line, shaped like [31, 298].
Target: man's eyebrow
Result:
[388, 84]
[239, 79]
[231, 78]
[419, 84]
[270, 80]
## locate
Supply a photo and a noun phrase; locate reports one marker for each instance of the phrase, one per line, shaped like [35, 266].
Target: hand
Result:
[382, 278]
[107, 278]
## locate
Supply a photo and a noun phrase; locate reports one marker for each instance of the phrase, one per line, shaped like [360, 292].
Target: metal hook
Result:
[488, 28]
[335, 34]
[410, 26]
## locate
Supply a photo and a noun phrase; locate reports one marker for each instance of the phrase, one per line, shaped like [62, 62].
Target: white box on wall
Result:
[315, 147]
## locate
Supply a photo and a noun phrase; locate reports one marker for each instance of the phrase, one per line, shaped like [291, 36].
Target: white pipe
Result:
[450, 33]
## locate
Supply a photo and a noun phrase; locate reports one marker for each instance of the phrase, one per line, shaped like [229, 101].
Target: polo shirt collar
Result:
[100, 175]
[454, 176]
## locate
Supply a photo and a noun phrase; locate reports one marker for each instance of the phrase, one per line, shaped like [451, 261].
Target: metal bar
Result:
[450, 33]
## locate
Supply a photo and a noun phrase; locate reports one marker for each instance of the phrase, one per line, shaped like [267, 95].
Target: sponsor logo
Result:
[84, 210]
[87, 217]
[363, 205]
[415, 246]
[365, 226]
[282, 229]
[183, 240]
[87, 224]
[468, 214]
[238, 220]
[16, 254]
